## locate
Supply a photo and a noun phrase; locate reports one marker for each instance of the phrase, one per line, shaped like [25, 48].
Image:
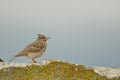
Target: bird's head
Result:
[42, 37]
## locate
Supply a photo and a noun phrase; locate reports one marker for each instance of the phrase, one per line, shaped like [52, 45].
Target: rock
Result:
[107, 71]
[55, 70]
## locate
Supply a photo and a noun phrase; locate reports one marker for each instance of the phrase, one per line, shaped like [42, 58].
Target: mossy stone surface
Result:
[52, 71]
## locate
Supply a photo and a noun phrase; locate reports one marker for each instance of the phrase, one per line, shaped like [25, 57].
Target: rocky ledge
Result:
[55, 70]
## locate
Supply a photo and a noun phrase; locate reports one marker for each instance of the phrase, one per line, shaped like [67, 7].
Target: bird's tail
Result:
[1, 60]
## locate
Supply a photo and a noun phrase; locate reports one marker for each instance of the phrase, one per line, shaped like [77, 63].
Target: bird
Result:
[35, 49]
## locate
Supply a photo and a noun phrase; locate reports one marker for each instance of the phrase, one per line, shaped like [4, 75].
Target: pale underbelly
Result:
[34, 55]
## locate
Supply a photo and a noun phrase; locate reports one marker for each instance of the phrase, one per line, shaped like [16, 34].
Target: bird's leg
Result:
[12, 59]
[34, 61]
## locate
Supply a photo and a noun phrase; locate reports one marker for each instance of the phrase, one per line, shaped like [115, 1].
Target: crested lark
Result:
[35, 49]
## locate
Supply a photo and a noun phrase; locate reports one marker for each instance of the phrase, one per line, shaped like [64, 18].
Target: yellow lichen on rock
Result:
[55, 70]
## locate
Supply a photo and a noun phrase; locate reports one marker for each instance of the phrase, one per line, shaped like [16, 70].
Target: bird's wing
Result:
[34, 47]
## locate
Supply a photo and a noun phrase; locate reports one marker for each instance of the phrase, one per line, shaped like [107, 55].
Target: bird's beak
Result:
[48, 37]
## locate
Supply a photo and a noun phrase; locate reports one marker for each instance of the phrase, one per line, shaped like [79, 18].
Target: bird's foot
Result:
[34, 61]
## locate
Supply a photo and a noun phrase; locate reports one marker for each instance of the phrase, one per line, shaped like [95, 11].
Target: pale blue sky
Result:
[82, 31]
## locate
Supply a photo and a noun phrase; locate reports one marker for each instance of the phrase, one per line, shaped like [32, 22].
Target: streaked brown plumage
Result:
[35, 49]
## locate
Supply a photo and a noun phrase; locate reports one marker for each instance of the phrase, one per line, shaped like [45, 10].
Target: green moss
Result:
[53, 71]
